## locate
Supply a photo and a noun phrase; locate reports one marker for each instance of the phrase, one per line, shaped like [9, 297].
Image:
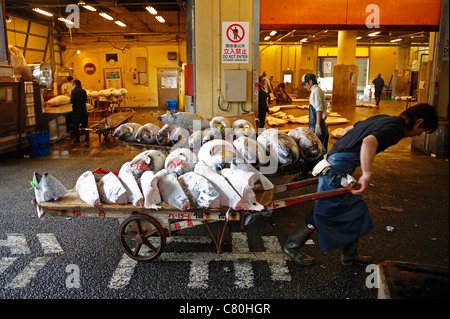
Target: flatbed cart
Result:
[109, 124]
[142, 233]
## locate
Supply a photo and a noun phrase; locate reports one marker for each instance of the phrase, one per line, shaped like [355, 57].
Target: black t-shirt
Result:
[388, 130]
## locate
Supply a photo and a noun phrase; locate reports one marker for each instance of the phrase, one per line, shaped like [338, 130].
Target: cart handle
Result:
[99, 170]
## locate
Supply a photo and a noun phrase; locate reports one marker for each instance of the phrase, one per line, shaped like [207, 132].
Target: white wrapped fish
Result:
[243, 128]
[266, 184]
[180, 161]
[199, 190]
[147, 133]
[217, 154]
[228, 196]
[59, 100]
[243, 182]
[250, 150]
[223, 125]
[46, 188]
[149, 187]
[129, 182]
[185, 120]
[279, 145]
[86, 187]
[150, 160]
[171, 191]
[111, 190]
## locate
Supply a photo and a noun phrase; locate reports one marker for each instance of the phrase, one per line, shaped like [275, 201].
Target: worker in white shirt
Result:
[317, 117]
[317, 109]
[66, 88]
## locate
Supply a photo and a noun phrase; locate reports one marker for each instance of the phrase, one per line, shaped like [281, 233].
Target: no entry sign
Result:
[235, 42]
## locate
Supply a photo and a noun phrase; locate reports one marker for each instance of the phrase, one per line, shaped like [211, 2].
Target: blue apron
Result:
[323, 126]
[340, 220]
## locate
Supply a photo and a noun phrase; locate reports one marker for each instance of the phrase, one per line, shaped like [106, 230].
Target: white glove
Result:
[318, 131]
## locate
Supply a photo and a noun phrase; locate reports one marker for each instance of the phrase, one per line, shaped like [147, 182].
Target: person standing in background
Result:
[379, 85]
[79, 115]
[66, 88]
[263, 108]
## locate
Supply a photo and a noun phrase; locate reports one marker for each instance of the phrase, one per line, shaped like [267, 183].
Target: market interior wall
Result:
[139, 95]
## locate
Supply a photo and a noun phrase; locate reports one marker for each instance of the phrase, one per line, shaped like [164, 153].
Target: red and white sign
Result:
[235, 47]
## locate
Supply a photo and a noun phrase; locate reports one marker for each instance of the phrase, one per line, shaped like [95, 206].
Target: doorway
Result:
[167, 86]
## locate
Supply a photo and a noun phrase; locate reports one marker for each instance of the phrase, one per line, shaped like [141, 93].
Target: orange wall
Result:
[349, 14]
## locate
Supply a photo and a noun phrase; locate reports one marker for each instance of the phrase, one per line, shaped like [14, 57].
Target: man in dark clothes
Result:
[80, 116]
[342, 220]
[379, 85]
[263, 108]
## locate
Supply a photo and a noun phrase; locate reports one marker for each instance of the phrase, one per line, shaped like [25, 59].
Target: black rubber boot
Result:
[349, 256]
[296, 241]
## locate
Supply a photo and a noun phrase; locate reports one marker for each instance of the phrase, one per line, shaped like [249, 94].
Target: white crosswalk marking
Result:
[49, 243]
[123, 273]
[30, 271]
[241, 256]
[5, 262]
[17, 244]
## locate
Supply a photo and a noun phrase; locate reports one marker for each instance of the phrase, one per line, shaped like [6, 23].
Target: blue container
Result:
[171, 105]
[40, 143]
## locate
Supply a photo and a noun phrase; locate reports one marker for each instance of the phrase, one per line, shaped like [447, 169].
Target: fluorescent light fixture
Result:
[304, 40]
[89, 8]
[151, 10]
[358, 38]
[160, 19]
[267, 38]
[48, 14]
[65, 20]
[81, 3]
[396, 40]
[106, 16]
[273, 33]
[373, 34]
[120, 23]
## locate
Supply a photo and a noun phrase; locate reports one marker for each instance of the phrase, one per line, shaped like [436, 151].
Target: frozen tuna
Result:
[179, 137]
[185, 120]
[266, 184]
[280, 145]
[228, 196]
[199, 190]
[180, 161]
[111, 190]
[164, 135]
[217, 154]
[211, 133]
[171, 191]
[222, 124]
[149, 187]
[86, 187]
[250, 150]
[127, 132]
[147, 133]
[311, 148]
[151, 160]
[195, 140]
[243, 182]
[243, 128]
[128, 180]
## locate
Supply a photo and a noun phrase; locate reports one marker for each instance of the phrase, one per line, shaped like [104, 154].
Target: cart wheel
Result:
[141, 237]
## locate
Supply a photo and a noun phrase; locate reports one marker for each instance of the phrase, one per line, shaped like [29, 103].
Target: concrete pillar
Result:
[401, 81]
[345, 73]
[346, 47]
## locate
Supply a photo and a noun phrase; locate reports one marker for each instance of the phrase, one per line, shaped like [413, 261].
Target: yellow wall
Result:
[209, 69]
[382, 60]
[138, 94]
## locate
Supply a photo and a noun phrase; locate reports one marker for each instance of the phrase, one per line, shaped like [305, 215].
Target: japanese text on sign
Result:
[235, 42]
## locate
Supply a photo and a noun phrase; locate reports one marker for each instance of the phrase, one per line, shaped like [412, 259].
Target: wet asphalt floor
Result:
[409, 192]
